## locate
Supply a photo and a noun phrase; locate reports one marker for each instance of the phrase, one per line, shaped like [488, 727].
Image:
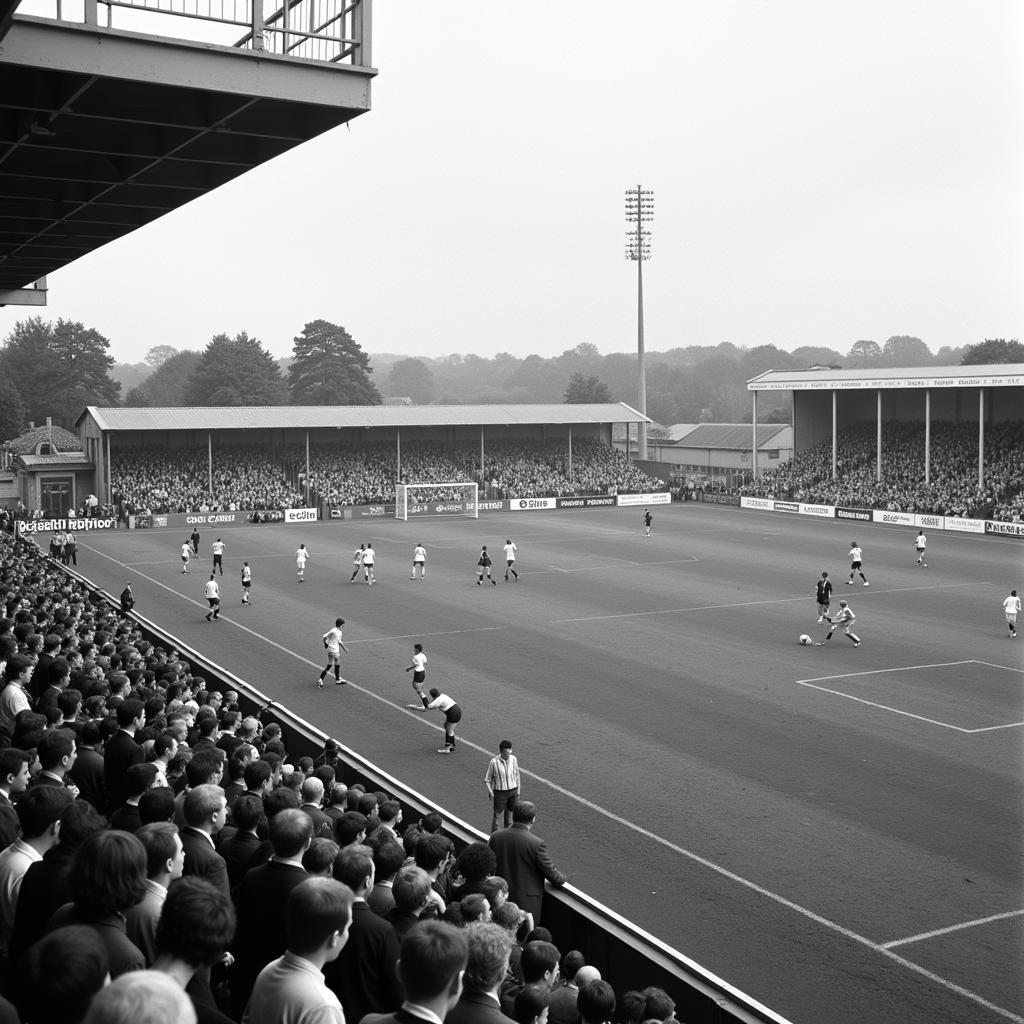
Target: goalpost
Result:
[458, 498]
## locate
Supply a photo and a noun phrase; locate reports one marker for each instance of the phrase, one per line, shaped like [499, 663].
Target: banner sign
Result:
[175, 520]
[965, 525]
[860, 515]
[75, 525]
[659, 498]
[899, 518]
[521, 504]
[930, 522]
[1005, 529]
[824, 511]
[300, 515]
[714, 498]
[767, 504]
[786, 506]
[584, 502]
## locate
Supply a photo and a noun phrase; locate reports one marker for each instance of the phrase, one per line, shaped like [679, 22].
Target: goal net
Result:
[415, 501]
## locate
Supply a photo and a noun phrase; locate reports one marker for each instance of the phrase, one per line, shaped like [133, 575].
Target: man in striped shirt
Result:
[502, 782]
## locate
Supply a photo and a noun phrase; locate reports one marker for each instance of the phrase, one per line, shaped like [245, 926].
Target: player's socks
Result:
[426, 703]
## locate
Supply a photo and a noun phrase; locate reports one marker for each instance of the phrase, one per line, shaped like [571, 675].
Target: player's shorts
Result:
[214, 601]
[184, 558]
[418, 561]
[334, 657]
[854, 566]
[920, 551]
[246, 584]
[1011, 617]
[823, 605]
[453, 714]
[510, 562]
[217, 559]
[419, 677]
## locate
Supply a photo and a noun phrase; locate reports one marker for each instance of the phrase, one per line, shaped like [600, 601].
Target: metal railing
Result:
[323, 31]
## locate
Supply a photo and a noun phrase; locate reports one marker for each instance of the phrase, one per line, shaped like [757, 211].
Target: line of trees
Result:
[56, 369]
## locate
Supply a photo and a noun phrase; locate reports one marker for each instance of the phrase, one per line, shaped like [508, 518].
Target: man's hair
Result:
[60, 974]
[508, 915]
[476, 862]
[432, 822]
[504, 745]
[164, 742]
[596, 1002]
[11, 760]
[158, 837]
[128, 711]
[473, 907]
[387, 859]
[489, 949]
[197, 922]
[320, 856]
[339, 793]
[156, 804]
[79, 821]
[571, 963]
[53, 746]
[410, 889]
[432, 850]
[290, 832]
[281, 799]
[492, 886]
[256, 774]
[201, 804]
[150, 996]
[389, 810]
[524, 812]
[246, 812]
[16, 664]
[108, 874]
[658, 1005]
[205, 765]
[40, 807]
[367, 804]
[139, 777]
[530, 1003]
[316, 908]
[431, 957]
[68, 701]
[348, 826]
[352, 866]
[632, 1007]
[537, 959]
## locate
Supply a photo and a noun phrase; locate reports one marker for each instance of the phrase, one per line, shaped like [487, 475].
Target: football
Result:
[804, 639]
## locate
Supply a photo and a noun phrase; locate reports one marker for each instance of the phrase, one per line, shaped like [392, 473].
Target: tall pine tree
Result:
[330, 368]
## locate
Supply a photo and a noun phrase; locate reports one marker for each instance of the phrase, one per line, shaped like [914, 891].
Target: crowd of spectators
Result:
[158, 481]
[953, 471]
[154, 836]
[147, 480]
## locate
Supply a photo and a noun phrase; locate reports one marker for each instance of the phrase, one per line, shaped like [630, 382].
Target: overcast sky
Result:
[824, 171]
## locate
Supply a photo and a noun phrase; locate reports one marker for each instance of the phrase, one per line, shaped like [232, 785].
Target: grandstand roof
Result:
[310, 417]
[997, 375]
[731, 435]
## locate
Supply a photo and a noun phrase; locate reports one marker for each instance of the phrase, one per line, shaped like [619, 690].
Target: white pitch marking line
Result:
[885, 707]
[660, 840]
[624, 564]
[751, 604]
[952, 928]
[880, 671]
[993, 728]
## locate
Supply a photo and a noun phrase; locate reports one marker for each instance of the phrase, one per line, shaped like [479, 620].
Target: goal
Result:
[415, 501]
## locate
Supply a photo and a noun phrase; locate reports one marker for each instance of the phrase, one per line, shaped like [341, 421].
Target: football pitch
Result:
[836, 831]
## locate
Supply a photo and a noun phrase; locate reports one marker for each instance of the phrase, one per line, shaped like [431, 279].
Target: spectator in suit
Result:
[389, 814]
[205, 814]
[411, 890]
[388, 858]
[320, 857]
[538, 966]
[156, 804]
[431, 964]
[14, 698]
[337, 802]
[107, 877]
[39, 813]
[562, 1009]
[532, 1004]
[596, 1003]
[312, 793]
[87, 773]
[14, 778]
[523, 861]
[139, 779]
[363, 976]
[121, 751]
[262, 899]
[486, 967]
[239, 850]
[196, 926]
[41, 676]
[318, 919]
[165, 860]
[45, 887]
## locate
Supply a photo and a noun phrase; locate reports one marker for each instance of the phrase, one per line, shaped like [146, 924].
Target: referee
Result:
[502, 782]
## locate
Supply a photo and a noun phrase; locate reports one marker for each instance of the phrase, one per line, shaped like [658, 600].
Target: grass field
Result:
[835, 830]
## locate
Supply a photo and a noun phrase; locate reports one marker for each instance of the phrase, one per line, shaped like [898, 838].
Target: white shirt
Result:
[442, 702]
[212, 590]
[246, 574]
[856, 555]
[369, 556]
[845, 615]
[419, 662]
[420, 554]
[1011, 605]
[217, 547]
[510, 551]
[921, 541]
[333, 638]
[185, 553]
[301, 555]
